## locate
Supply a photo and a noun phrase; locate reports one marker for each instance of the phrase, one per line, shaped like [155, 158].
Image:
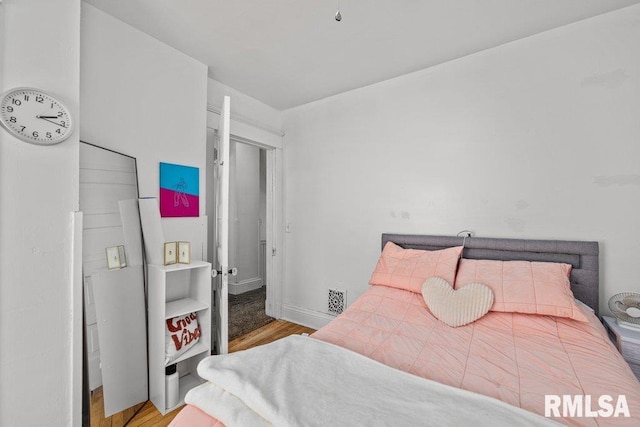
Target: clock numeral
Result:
[49, 135]
[10, 109]
[26, 98]
[51, 105]
[16, 101]
[58, 131]
[39, 99]
[60, 113]
[63, 124]
[35, 134]
[22, 128]
[13, 119]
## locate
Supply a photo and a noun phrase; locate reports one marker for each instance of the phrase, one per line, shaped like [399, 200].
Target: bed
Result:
[536, 358]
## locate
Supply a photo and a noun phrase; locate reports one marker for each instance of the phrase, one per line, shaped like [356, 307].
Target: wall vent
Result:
[337, 301]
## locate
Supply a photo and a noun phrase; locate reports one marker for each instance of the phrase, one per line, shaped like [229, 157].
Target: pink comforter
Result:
[516, 358]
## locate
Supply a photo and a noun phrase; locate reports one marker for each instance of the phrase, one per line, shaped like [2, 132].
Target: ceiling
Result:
[290, 52]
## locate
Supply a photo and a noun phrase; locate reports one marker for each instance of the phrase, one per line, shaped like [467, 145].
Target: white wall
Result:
[244, 213]
[145, 99]
[533, 139]
[251, 119]
[40, 357]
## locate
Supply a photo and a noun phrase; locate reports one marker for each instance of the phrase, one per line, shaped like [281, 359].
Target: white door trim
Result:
[275, 238]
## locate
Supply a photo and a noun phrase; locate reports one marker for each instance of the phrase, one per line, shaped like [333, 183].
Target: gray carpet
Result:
[246, 312]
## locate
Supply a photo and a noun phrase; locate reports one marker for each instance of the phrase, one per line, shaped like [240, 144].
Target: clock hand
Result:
[51, 121]
[46, 117]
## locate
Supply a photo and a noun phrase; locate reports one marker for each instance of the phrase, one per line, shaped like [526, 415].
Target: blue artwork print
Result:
[179, 190]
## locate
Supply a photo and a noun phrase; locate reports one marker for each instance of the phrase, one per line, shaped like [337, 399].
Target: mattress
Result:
[517, 358]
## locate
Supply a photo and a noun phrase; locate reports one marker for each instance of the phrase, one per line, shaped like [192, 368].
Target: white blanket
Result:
[300, 381]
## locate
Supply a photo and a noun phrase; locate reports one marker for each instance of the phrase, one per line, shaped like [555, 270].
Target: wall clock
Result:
[35, 116]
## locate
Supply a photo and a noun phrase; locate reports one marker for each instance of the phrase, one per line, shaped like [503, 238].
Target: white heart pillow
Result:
[456, 307]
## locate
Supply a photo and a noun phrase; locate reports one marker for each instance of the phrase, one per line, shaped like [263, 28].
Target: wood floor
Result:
[146, 415]
[266, 334]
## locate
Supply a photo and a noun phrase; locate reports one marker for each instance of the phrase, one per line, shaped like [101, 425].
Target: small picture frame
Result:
[170, 253]
[113, 257]
[123, 256]
[184, 252]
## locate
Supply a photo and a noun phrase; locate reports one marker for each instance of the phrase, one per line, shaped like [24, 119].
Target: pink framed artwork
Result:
[179, 190]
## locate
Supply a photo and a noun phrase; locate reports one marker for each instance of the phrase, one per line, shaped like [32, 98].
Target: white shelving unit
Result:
[175, 290]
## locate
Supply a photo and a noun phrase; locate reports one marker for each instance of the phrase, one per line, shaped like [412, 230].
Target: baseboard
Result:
[305, 317]
[245, 286]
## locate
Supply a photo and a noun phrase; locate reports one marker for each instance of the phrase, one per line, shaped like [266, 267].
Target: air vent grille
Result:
[337, 301]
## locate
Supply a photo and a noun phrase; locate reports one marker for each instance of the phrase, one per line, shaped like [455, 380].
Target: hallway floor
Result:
[246, 312]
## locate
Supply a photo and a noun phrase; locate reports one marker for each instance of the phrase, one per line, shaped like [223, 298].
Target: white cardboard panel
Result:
[89, 302]
[98, 239]
[132, 231]
[152, 230]
[95, 375]
[100, 220]
[104, 197]
[95, 176]
[120, 311]
[93, 342]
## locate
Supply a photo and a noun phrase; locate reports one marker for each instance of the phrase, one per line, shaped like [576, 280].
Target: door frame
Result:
[273, 231]
[271, 141]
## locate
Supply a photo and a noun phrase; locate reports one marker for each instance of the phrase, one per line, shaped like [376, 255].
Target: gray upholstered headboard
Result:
[583, 256]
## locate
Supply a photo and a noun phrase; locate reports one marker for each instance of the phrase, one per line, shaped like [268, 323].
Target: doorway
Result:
[251, 232]
[247, 238]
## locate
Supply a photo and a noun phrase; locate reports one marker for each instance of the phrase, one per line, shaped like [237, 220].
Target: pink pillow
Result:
[408, 268]
[523, 286]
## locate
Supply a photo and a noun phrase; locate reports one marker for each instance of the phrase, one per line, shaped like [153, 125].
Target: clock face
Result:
[35, 116]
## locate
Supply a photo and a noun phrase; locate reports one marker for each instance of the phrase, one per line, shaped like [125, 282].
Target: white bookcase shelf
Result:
[184, 306]
[197, 349]
[176, 290]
